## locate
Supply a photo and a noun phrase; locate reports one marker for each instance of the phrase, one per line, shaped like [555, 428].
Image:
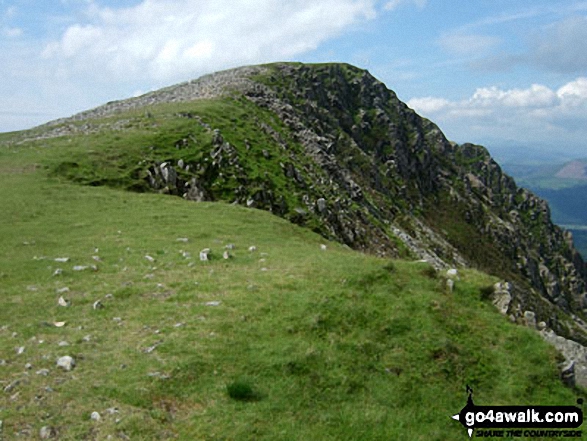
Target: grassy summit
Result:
[287, 342]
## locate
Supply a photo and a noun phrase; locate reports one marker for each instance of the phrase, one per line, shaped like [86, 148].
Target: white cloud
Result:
[12, 32]
[394, 4]
[536, 113]
[467, 44]
[164, 41]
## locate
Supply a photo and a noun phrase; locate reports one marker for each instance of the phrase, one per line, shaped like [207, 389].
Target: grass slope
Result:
[298, 343]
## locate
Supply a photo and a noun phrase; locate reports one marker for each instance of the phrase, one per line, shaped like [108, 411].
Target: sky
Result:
[505, 74]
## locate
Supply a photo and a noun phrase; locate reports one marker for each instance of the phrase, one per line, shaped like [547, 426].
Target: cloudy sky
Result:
[507, 74]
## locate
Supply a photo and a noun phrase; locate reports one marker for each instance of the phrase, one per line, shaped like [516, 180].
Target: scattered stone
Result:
[323, 247]
[252, 248]
[59, 324]
[530, 319]
[47, 432]
[264, 269]
[321, 204]
[149, 276]
[19, 350]
[158, 375]
[62, 290]
[67, 363]
[185, 254]
[87, 338]
[97, 258]
[178, 325]
[214, 303]
[502, 297]
[152, 348]
[28, 366]
[63, 343]
[62, 259]
[95, 416]
[117, 319]
[3, 363]
[63, 302]
[204, 254]
[108, 296]
[112, 411]
[80, 267]
[149, 258]
[58, 272]
[226, 255]
[452, 273]
[541, 326]
[182, 239]
[450, 285]
[32, 288]
[11, 386]
[43, 372]
[230, 246]
[97, 305]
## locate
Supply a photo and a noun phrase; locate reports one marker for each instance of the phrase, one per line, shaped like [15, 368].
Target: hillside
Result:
[334, 344]
[331, 148]
[290, 338]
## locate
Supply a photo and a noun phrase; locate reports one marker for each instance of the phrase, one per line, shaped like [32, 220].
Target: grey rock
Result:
[66, 363]
[80, 267]
[98, 305]
[63, 302]
[47, 432]
[530, 319]
[61, 259]
[63, 290]
[213, 303]
[43, 372]
[502, 297]
[11, 386]
[95, 416]
[226, 255]
[58, 272]
[204, 254]
[450, 285]
[28, 366]
[321, 205]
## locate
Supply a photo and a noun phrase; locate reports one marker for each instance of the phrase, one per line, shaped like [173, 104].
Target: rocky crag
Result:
[332, 148]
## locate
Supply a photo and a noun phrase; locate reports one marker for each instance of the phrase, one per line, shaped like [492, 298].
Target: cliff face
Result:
[330, 147]
[454, 202]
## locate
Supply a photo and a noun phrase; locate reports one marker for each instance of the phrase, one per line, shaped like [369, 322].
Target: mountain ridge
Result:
[339, 152]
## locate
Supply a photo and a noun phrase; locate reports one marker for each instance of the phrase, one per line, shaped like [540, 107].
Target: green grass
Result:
[305, 343]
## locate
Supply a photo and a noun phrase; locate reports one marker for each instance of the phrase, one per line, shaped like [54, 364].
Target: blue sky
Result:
[506, 74]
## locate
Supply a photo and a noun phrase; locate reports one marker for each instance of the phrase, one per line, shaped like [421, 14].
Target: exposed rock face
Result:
[361, 167]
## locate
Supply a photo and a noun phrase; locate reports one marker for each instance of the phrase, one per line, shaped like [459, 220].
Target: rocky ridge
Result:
[364, 169]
